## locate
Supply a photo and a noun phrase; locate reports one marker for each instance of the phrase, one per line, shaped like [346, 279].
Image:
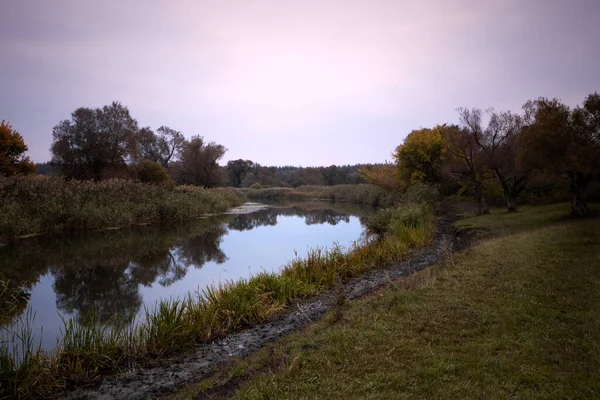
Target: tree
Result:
[465, 159]
[237, 170]
[334, 175]
[144, 146]
[170, 144]
[308, 176]
[198, 165]
[94, 143]
[267, 176]
[566, 143]
[500, 143]
[499, 148]
[12, 152]
[420, 157]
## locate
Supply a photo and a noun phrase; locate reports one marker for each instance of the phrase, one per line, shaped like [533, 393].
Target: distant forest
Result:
[246, 173]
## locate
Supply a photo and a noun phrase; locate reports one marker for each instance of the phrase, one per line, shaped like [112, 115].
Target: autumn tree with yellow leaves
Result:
[12, 152]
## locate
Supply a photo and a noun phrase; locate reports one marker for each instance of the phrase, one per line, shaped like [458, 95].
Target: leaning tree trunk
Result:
[484, 208]
[577, 186]
[509, 197]
[511, 203]
[510, 191]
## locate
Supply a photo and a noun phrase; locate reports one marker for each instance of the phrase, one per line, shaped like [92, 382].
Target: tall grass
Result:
[30, 205]
[361, 193]
[13, 300]
[87, 352]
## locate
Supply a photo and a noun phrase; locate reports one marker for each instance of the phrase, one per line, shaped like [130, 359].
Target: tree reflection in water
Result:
[103, 290]
[100, 273]
[319, 213]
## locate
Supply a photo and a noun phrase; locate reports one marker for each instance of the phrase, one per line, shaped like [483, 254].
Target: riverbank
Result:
[34, 205]
[513, 315]
[91, 352]
[360, 193]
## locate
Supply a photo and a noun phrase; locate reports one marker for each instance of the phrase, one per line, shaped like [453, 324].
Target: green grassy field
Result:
[515, 316]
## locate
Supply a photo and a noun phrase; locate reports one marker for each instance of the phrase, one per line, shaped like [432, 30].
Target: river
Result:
[119, 272]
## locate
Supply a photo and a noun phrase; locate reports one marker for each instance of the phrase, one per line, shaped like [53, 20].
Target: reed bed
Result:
[30, 205]
[361, 193]
[88, 352]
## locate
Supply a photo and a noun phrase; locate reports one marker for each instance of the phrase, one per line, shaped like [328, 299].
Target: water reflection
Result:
[103, 273]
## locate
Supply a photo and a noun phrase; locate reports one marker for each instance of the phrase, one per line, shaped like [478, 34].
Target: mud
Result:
[155, 382]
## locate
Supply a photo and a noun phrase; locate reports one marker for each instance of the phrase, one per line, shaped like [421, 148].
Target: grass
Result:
[500, 222]
[32, 205]
[361, 193]
[13, 300]
[94, 350]
[516, 316]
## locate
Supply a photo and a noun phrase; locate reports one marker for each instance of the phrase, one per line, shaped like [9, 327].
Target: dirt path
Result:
[154, 382]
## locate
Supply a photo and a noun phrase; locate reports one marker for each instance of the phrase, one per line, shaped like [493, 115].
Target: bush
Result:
[420, 193]
[412, 213]
[152, 172]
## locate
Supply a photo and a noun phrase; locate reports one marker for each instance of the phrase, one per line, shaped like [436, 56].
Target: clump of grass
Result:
[92, 350]
[30, 205]
[164, 329]
[24, 367]
[360, 193]
[13, 300]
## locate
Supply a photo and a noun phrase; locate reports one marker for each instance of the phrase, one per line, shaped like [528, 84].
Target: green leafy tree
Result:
[170, 145]
[199, 163]
[12, 152]
[144, 146]
[237, 170]
[94, 143]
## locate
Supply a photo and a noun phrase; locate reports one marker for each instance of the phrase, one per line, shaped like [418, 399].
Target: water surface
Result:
[119, 272]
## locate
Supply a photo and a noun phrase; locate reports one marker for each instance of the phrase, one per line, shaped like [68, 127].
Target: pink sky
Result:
[291, 82]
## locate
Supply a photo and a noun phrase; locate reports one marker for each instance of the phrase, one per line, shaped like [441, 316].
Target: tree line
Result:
[246, 173]
[107, 142]
[546, 145]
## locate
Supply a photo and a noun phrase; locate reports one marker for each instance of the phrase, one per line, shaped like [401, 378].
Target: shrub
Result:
[152, 172]
[412, 213]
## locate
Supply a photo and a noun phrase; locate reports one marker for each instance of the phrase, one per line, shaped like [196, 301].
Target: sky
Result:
[291, 82]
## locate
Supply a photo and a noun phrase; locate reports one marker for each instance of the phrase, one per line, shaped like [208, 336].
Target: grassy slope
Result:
[515, 316]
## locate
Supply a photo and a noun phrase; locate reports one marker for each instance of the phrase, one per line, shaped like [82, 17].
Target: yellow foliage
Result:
[12, 147]
[420, 157]
[385, 176]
